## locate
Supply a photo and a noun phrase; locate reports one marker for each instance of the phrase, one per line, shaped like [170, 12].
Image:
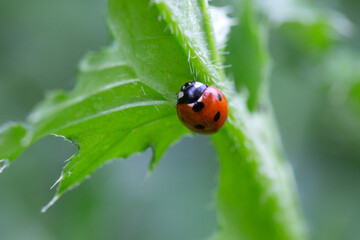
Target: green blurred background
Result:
[42, 41]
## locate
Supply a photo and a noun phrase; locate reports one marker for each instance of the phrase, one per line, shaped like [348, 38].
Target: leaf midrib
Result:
[114, 110]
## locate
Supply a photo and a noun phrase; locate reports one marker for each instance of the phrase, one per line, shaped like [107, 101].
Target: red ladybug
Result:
[201, 108]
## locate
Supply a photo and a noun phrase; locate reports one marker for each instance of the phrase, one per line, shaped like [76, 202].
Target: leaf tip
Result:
[4, 163]
[52, 201]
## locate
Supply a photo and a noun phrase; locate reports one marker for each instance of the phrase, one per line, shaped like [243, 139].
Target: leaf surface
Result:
[124, 102]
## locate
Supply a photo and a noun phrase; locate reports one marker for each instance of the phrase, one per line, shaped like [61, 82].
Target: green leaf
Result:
[111, 113]
[124, 102]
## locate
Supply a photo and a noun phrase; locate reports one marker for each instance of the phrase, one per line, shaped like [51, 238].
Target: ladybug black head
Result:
[190, 92]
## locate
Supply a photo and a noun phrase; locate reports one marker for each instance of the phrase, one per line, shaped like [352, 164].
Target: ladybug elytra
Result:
[201, 108]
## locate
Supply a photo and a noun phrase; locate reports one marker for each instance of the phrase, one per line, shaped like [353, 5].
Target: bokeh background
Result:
[42, 41]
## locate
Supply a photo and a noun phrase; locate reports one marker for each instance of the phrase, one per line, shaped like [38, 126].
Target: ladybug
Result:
[201, 108]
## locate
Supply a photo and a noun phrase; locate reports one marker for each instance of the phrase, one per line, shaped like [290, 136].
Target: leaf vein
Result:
[117, 109]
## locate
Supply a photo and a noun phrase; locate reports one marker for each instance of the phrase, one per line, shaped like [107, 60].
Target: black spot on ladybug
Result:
[219, 97]
[182, 119]
[199, 126]
[198, 106]
[217, 116]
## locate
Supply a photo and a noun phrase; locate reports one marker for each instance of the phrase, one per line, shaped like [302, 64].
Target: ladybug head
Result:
[190, 92]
